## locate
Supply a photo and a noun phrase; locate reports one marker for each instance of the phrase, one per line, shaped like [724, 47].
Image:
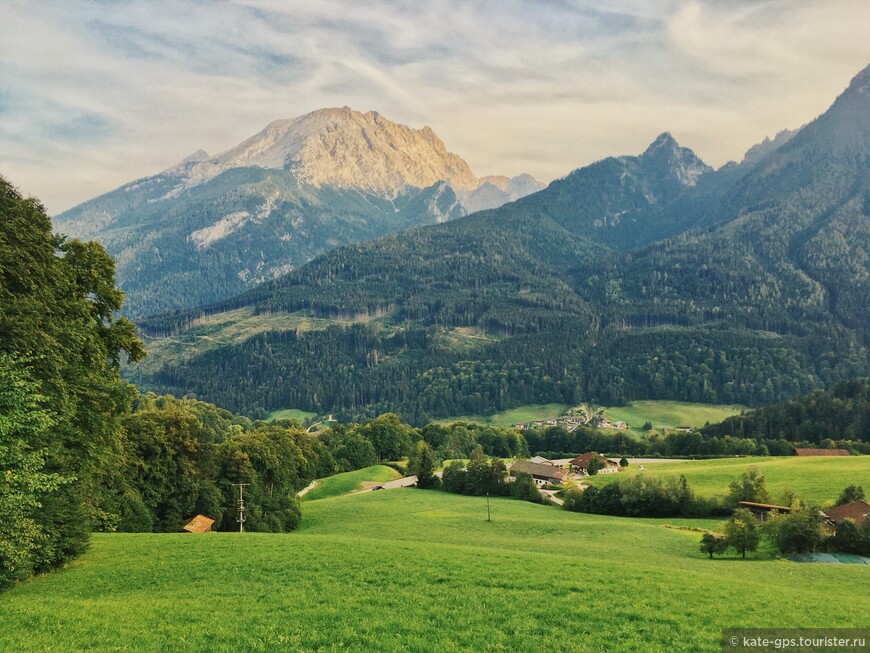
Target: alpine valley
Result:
[637, 277]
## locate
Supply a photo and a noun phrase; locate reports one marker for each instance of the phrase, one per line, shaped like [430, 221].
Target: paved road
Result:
[407, 481]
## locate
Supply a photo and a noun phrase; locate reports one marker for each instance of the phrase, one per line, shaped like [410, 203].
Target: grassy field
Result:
[818, 480]
[510, 417]
[412, 570]
[333, 486]
[670, 414]
[291, 413]
[661, 414]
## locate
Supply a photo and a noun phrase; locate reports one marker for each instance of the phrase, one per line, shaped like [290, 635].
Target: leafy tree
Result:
[742, 532]
[647, 426]
[24, 482]
[623, 462]
[595, 465]
[454, 478]
[524, 487]
[352, 451]
[389, 436]
[850, 494]
[799, 531]
[850, 538]
[422, 465]
[58, 314]
[712, 543]
[750, 486]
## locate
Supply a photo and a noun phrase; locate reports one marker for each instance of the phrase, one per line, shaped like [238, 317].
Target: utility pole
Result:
[241, 517]
[488, 516]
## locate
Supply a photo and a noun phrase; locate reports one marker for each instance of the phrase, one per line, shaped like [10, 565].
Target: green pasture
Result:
[333, 486]
[291, 413]
[816, 479]
[414, 570]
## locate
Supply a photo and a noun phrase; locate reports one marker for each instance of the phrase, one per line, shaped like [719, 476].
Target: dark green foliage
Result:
[479, 476]
[595, 464]
[351, 451]
[163, 269]
[524, 487]
[642, 496]
[388, 435]
[841, 413]
[712, 543]
[751, 486]
[422, 465]
[623, 462]
[750, 286]
[799, 531]
[24, 483]
[743, 532]
[850, 538]
[459, 439]
[276, 463]
[58, 328]
[850, 494]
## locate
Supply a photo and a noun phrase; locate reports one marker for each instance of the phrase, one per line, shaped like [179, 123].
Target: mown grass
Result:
[511, 416]
[661, 414]
[671, 414]
[333, 486]
[291, 413]
[818, 480]
[412, 570]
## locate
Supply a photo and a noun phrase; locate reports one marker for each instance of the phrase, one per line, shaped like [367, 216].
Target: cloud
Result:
[95, 94]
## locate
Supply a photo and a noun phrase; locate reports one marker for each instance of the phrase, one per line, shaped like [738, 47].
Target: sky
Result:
[94, 94]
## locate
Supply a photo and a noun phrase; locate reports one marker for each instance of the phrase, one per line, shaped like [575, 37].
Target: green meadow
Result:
[413, 570]
[670, 414]
[291, 413]
[508, 418]
[816, 479]
[333, 486]
[661, 414]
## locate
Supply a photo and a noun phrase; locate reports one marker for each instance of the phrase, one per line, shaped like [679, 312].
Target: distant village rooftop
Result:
[820, 452]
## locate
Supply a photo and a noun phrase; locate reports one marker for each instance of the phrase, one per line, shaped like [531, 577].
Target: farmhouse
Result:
[543, 473]
[761, 510]
[820, 452]
[199, 524]
[857, 511]
[541, 460]
[581, 463]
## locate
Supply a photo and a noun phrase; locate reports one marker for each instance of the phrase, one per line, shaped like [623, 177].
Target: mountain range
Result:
[211, 226]
[651, 276]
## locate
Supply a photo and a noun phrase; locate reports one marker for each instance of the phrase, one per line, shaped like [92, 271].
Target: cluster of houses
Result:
[571, 424]
[548, 472]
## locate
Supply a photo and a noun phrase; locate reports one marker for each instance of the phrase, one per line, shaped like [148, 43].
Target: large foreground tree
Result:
[59, 331]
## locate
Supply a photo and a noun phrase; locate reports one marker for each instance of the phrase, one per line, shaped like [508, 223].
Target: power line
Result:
[241, 517]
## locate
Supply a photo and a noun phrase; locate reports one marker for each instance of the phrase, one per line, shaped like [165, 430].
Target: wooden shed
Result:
[199, 524]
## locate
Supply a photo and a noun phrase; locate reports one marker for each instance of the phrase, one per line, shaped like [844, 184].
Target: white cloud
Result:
[95, 94]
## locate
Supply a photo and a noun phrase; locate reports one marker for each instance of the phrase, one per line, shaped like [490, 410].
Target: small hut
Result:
[199, 524]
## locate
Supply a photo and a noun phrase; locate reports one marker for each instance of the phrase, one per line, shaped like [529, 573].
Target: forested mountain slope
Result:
[211, 227]
[841, 413]
[748, 284]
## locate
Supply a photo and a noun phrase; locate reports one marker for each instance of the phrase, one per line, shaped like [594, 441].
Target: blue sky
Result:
[97, 93]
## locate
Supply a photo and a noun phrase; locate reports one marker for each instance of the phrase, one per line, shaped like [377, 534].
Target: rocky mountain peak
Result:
[681, 162]
[348, 149]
